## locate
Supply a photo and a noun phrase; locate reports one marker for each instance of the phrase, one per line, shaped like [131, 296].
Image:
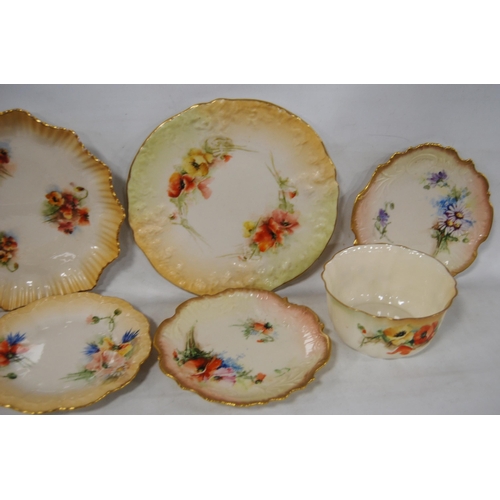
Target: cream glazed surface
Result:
[385, 300]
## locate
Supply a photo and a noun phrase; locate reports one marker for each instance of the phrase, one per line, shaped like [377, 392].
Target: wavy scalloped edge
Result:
[412, 149]
[93, 269]
[308, 377]
[386, 318]
[127, 307]
[216, 290]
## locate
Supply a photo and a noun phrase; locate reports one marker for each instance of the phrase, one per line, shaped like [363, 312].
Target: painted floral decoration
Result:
[454, 218]
[405, 339]
[270, 231]
[263, 330]
[382, 220]
[194, 176]
[4, 161]
[8, 250]
[65, 208]
[205, 366]
[12, 349]
[94, 320]
[107, 359]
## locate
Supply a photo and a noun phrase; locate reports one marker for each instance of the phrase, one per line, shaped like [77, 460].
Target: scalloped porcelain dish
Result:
[242, 347]
[232, 194]
[428, 199]
[59, 215]
[65, 352]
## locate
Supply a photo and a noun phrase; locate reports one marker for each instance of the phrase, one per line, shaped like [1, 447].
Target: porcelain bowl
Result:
[387, 301]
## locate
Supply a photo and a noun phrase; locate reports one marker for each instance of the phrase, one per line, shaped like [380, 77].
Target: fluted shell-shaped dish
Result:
[59, 215]
[231, 194]
[65, 352]
[242, 347]
[428, 199]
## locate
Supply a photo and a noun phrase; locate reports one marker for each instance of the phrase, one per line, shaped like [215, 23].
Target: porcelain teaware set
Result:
[228, 200]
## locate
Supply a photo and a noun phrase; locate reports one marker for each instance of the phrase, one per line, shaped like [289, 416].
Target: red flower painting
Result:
[65, 209]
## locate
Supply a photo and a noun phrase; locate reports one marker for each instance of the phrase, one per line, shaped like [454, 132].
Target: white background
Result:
[361, 126]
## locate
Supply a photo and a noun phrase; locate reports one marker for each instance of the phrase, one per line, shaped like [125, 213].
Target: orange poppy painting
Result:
[405, 339]
[207, 366]
[271, 231]
[263, 331]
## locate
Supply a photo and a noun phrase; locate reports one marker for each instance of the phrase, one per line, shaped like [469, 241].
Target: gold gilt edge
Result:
[132, 375]
[248, 100]
[95, 159]
[399, 154]
[308, 377]
[387, 318]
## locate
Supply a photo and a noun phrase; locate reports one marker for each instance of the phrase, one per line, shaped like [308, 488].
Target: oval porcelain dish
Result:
[385, 300]
[242, 347]
[232, 194]
[59, 215]
[429, 199]
[65, 352]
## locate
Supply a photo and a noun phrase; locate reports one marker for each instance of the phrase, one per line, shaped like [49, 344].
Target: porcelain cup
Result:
[387, 301]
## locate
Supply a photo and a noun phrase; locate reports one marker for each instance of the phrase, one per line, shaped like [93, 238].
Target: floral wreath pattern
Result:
[8, 250]
[12, 348]
[263, 330]
[270, 231]
[194, 175]
[108, 360]
[405, 339]
[454, 217]
[382, 220]
[65, 208]
[205, 366]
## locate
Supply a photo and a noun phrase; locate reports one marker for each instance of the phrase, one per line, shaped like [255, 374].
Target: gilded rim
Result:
[246, 100]
[87, 153]
[384, 317]
[132, 374]
[400, 154]
[310, 376]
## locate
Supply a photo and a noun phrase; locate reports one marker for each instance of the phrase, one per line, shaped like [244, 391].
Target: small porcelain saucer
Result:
[65, 352]
[242, 347]
[428, 199]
